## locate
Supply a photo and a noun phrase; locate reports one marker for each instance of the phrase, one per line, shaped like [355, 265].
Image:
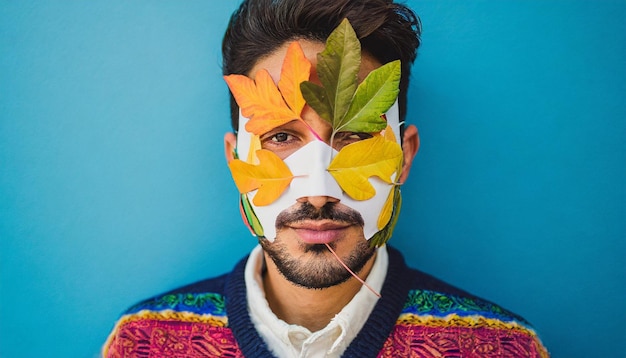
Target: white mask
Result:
[311, 178]
[362, 174]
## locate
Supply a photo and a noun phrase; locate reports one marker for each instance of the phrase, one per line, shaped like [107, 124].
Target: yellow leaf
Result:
[389, 135]
[357, 162]
[255, 144]
[385, 232]
[271, 177]
[385, 213]
[296, 69]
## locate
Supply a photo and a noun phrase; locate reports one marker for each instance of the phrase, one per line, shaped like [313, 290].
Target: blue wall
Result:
[112, 177]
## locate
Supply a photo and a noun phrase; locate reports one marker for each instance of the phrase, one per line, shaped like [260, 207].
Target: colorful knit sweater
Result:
[417, 316]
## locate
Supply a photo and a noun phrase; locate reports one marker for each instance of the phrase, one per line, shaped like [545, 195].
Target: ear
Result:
[230, 143]
[410, 146]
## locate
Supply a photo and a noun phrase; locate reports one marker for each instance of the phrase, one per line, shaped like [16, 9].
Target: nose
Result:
[312, 182]
[318, 201]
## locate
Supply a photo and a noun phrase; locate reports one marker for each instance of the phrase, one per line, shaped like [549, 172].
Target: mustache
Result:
[330, 211]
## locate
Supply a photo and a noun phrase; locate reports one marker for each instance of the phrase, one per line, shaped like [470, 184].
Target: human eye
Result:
[342, 139]
[281, 141]
[280, 137]
[277, 138]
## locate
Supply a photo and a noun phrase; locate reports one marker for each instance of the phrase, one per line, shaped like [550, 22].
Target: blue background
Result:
[113, 185]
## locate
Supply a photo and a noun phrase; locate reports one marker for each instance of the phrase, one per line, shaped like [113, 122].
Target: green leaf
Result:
[315, 97]
[249, 216]
[373, 97]
[338, 67]
[340, 100]
[384, 235]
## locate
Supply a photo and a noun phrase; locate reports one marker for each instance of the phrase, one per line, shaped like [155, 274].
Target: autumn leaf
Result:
[338, 66]
[389, 135]
[339, 100]
[260, 101]
[357, 162]
[266, 105]
[317, 98]
[271, 177]
[296, 69]
[385, 213]
[374, 96]
[249, 217]
[255, 144]
[393, 212]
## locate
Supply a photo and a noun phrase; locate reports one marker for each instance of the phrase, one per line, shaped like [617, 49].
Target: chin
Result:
[316, 248]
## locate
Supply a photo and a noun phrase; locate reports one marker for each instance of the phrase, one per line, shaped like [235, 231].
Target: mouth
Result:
[319, 232]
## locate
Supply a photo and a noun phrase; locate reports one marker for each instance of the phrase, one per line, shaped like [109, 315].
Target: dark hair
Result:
[387, 31]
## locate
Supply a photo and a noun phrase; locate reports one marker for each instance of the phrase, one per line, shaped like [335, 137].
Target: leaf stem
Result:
[330, 143]
[317, 136]
[352, 272]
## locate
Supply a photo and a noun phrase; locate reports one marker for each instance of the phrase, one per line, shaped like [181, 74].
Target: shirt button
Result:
[297, 336]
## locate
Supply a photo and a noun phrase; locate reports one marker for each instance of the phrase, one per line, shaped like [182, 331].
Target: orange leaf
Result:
[266, 105]
[260, 101]
[296, 69]
[271, 177]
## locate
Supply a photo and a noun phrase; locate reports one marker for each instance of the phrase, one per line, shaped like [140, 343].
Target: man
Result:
[319, 95]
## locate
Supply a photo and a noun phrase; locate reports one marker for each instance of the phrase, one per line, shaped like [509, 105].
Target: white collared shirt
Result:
[290, 340]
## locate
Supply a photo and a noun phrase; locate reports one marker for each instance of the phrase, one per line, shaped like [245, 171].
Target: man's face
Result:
[312, 221]
[322, 214]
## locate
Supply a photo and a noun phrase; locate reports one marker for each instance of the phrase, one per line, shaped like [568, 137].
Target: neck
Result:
[310, 308]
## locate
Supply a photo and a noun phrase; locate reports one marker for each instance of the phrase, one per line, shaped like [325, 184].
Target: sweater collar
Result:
[294, 340]
[368, 342]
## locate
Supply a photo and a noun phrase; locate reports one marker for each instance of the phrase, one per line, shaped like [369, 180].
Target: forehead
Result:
[273, 62]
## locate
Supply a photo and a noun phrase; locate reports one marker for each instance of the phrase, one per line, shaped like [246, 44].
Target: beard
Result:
[320, 269]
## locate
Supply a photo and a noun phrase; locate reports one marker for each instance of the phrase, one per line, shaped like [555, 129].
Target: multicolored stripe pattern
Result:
[431, 324]
[174, 325]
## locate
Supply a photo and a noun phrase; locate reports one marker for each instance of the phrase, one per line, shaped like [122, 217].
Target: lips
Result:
[323, 232]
